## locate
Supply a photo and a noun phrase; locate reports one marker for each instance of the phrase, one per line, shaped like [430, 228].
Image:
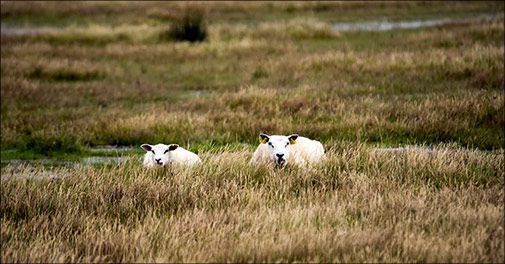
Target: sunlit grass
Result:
[446, 207]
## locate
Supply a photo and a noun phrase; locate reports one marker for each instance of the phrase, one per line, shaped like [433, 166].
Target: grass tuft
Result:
[188, 27]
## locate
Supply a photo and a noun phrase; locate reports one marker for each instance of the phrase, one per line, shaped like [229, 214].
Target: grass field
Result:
[79, 75]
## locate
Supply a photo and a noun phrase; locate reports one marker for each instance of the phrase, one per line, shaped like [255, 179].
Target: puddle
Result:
[101, 155]
[18, 167]
[65, 162]
[376, 26]
[102, 160]
[430, 151]
[424, 150]
[45, 168]
[194, 94]
[21, 31]
[384, 25]
[108, 148]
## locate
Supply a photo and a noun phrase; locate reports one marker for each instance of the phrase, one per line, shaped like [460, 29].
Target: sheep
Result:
[300, 151]
[163, 155]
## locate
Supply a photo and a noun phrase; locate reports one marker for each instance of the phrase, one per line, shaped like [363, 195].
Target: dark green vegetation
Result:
[190, 26]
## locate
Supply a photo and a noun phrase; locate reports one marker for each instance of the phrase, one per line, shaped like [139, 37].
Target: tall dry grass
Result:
[359, 206]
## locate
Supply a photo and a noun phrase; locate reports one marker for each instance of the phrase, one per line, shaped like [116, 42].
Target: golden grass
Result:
[359, 206]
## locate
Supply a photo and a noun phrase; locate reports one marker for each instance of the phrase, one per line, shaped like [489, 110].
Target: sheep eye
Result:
[287, 144]
[270, 144]
[153, 151]
[165, 151]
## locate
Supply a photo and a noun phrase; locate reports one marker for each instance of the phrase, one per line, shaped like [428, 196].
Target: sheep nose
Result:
[279, 155]
[158, 160]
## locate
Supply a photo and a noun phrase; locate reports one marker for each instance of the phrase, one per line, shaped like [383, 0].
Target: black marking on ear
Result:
[264, 138]
[173, 147]
[292, 138]
[146, 147]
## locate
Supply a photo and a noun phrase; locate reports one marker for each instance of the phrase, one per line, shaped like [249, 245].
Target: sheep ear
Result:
[264, 138]
[146, 147]
[292, 139]
[173, 147]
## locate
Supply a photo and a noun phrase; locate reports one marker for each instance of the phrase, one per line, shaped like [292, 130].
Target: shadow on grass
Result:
[65, 75]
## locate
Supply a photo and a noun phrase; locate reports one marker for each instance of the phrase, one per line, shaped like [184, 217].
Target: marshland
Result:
[406, 97]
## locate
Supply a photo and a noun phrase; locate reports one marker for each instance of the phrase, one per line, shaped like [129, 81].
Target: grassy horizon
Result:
[78, 86]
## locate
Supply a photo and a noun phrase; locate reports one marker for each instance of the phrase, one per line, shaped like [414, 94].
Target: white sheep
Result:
[163, 155]
[294, 149]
